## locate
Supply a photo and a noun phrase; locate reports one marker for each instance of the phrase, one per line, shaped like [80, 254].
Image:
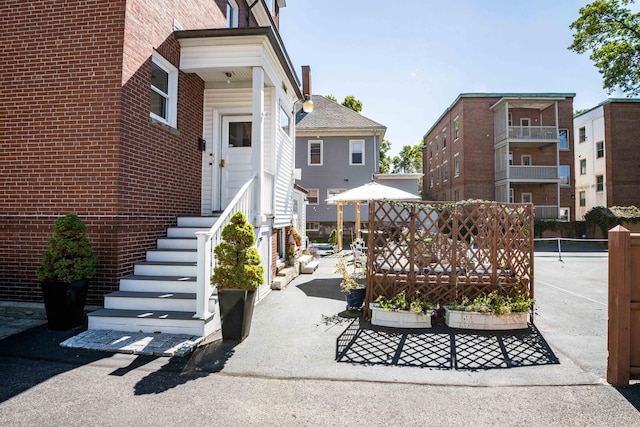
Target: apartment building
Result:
[607, 159]
[508, 147]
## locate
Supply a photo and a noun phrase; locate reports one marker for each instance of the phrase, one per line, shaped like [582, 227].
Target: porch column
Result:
[357, 220]
[257, 136]
[339, 228]
[558, 163]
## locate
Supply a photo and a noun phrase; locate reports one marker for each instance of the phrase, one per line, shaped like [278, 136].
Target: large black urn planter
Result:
[64, 303]
[355, 298]
[236, 311]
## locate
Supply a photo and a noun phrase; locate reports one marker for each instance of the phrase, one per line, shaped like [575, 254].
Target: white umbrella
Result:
[366, 192]
[372, 191]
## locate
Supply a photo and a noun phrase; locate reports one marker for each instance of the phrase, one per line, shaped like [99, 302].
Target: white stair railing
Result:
[207, 240]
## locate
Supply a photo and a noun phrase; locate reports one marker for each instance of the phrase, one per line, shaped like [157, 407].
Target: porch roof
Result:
[208, 54]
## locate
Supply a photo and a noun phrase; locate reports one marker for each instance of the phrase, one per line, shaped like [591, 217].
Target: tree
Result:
[409, 160]
[385, 160]
[352, 103]
[331, 97]
[612, 33]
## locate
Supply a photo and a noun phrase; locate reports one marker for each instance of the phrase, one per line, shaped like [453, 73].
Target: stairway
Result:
[160, 295]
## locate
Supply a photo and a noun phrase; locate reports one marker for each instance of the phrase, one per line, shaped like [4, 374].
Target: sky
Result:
[408, 60]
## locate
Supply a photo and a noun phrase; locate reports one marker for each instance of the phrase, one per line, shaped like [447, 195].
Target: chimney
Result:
[306, 81]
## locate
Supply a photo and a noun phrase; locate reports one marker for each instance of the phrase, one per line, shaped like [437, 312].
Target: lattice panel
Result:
[445, 251]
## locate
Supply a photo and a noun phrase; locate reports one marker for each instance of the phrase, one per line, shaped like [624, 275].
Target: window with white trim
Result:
[232, 14]
[164, 90]
[526, 198]
[599, 183]
[456, 165]
[511, 195]
[563, 137]
[583, 166]
[444, 138]
[599, 149]
[314, 157]
[564, 171]
[313, 226]
[445, 170]
[356, 152]
[312, 196]
[583, 198]
[582, 134]
[456, 128]
[284, 120]
[335, 191]
[525, 160]
[564, 214]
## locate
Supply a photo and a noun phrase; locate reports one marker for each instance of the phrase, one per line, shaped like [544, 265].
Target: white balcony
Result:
[534, 173]
[546, 212]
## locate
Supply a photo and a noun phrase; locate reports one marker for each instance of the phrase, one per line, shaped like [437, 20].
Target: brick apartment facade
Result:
[607, 159]
[77, 135]
[504, 147]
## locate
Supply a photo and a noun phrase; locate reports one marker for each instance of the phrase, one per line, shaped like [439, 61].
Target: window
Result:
[510, 158]
[232, 14]
[312, 196]
[526, 198]
[509, 119]
[564, 171]
[444, 138]
[599, 149]
[583, 198]
[564, 214]
[437, 145]
[239, 134]
[582, 134]
[599, 183]
[456, 165]
[334, 191]
[511, 195]
[525, 160]
[456, 128]
[313, 226]
[164, 90]
[284, 120]
[356, 152]
[563, 136]
[431, 179]
[456, 195]
[445, 171]
[315, 153]
[583, 166]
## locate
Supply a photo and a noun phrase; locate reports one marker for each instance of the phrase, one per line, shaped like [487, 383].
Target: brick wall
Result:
[622, 131]
[77, 136]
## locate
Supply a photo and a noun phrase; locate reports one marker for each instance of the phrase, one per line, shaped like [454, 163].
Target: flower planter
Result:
[485, 321]
[236, 311]
[355, 298]
[64, 303]
[398, 319]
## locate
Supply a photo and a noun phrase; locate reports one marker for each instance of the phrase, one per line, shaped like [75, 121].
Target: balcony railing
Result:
[533, 132]
[533, 172]
[546, 212]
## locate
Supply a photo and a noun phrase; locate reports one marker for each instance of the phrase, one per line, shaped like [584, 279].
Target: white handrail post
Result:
[203, 275]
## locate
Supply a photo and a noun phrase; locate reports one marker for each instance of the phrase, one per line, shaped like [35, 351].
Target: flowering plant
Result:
[413, 305]
[495, 303]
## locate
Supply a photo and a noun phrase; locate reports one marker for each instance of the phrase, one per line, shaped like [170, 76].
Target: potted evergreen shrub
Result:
[237, 276]
[64, 273]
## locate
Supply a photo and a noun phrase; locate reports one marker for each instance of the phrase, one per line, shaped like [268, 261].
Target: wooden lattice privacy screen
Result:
[446, 251]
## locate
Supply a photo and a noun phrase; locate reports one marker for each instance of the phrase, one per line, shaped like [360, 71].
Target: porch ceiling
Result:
[213, 53]
[535, 103]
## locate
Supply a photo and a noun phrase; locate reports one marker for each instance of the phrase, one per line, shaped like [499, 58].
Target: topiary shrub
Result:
[333, 237]
[69, 256]
[239, 265]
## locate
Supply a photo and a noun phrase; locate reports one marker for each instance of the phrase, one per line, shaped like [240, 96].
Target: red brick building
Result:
[99, 118]
[607, 159]
[508, 147]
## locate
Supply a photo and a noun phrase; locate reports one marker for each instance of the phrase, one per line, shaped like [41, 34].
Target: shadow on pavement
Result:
[442, 347]
[34, 356]
[632, 394]
[203, 361]
[323, 288]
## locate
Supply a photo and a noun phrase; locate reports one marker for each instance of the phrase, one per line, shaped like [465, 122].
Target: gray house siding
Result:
[336, 172]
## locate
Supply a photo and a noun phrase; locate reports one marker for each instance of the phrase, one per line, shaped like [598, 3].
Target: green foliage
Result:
[69, 256]
[611, 32]
[409, 160]
[495, 303]
[331, 97]
[607, 218]
[352, 103]
[333, 237]
[349, 278]
[239, 265]
[413, 305]
[385, 160]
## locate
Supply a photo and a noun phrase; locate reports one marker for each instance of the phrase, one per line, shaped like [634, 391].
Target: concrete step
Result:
[309, 267]
[140, 283]
[152, 268]
[172, 255]
[185, 231]
[178, 243]
[150, 321]
[197, 221]
[173, 301]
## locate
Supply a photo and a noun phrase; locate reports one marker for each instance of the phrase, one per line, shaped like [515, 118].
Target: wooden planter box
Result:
[398, 319]
[476, 320]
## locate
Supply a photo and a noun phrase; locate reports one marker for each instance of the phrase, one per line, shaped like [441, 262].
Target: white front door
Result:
[235, 157]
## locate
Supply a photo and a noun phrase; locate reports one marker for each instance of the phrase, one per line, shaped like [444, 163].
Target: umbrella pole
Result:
[339, 226]
[357, 220]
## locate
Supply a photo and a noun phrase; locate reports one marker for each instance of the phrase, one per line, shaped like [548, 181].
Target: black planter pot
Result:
[64, 303]
[355, 298]
[236, 311]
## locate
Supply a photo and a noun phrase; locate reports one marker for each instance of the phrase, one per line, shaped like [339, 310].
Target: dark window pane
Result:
[159, 78]
[158, 104]
[356, 158]
[240, 134]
